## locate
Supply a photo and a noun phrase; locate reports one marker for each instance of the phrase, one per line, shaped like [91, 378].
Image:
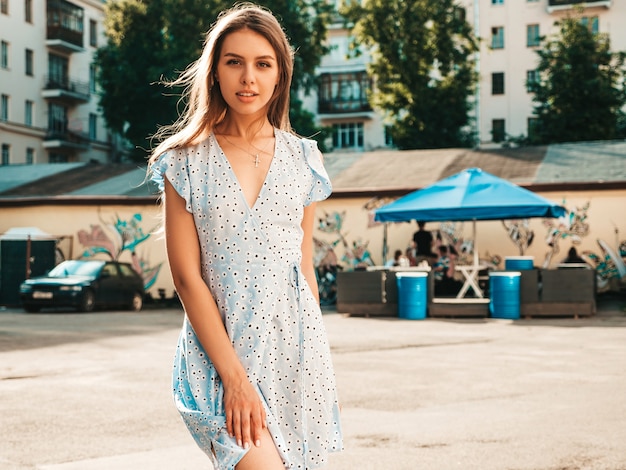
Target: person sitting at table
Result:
[398, 260]
[445, 284]
[573, 257]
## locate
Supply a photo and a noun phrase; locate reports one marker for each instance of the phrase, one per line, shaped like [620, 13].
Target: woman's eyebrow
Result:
[237, 56]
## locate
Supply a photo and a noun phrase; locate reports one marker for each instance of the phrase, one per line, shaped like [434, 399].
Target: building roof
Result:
[381, 171]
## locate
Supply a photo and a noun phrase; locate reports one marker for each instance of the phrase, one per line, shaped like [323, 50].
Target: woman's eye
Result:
[233, 62]
[264, 64]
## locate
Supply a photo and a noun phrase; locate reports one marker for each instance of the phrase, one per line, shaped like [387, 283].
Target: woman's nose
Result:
[247, 75]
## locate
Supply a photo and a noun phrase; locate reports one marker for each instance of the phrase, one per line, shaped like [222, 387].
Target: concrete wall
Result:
[605, 217]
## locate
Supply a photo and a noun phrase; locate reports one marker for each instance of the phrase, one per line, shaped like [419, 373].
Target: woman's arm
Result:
[245, 416]
[307, 249]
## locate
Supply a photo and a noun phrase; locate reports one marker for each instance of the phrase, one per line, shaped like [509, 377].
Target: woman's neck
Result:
[248, 129]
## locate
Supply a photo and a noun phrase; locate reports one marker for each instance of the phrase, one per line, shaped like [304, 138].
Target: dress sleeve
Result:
[173, 166]
[321, 187]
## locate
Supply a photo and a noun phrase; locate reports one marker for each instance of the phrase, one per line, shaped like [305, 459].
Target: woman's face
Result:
[247, 72]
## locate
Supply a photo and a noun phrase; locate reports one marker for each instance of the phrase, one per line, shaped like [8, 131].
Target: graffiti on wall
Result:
[116, 237]
[355, 255]
[326, 260]
[608, 262]
[520, 233]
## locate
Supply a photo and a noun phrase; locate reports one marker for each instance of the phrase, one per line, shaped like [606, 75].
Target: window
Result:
[6, 154]
[57, 158]
[109, 270]
[29, 62]
[127, 271]
[57, 119]
[30, 155]
[497, 37]
[532, 35]
[591, 23]
[343, 92]
[93, 126]
[497, 83]
[4, 7]
[348, 135]
[388, 137]
[498, 133]
[532, 127]
[58, 68]
[28, 11]
[532, 78]
[4, 107]
[93, 33]
[28, 112]
[4, 55]
[92, 78]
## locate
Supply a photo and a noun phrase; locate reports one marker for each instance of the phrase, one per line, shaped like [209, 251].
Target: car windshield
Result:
[76, 268]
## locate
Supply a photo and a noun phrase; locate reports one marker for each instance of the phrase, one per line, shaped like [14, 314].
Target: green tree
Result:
[423, 68]
[580, 92]
[152, 40]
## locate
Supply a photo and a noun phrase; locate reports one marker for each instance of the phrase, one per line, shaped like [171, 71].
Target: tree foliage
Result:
[580, 93]
[151, 40]
[423, 67]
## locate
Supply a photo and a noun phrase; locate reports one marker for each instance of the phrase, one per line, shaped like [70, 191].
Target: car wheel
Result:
[31, 308]
[137, 302]
[88, 302]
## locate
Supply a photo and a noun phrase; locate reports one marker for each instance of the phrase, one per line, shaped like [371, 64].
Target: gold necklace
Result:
[253, 155]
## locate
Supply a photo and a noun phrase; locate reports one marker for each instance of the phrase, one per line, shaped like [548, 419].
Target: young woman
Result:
[253, 378]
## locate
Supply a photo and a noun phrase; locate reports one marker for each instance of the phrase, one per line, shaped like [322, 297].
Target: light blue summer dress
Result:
[251, 263]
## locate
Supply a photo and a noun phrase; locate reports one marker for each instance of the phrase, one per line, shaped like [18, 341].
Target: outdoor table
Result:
[470, 275]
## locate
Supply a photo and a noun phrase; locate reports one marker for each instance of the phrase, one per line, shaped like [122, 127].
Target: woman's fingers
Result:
[245, 415]
[246, 422]
[237, 427]
[258, 424]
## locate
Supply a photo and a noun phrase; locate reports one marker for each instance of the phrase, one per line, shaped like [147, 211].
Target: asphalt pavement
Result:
[92, 392]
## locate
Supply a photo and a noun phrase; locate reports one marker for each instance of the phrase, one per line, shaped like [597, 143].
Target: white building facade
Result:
[48, 95]
[509, 32]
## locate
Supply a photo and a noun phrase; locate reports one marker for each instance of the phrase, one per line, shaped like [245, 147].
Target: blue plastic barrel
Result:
[412, 295]
[504, 290]
[516, 263]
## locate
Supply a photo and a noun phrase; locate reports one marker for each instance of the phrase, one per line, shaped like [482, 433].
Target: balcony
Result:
[64, 32]
[344, 93]
[560, 5]
[338, 106]
[64, 90]
[66, 141]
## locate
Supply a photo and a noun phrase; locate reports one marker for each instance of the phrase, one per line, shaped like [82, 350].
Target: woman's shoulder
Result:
[191, 151]
[293, 139]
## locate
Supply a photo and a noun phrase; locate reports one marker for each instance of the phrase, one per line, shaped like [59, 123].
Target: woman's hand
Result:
[245, 415]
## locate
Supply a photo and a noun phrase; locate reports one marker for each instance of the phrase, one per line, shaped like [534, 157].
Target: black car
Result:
[84, 285]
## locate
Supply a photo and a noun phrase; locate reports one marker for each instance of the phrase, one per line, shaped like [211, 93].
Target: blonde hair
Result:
[205, 107]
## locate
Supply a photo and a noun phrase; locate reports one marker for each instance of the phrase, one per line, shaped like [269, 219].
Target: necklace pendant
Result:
[256, 161]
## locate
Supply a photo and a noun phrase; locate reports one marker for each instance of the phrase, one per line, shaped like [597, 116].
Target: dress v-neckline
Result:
[236, 178]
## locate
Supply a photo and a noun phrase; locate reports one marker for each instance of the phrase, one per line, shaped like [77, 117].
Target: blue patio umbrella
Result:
[472, 194]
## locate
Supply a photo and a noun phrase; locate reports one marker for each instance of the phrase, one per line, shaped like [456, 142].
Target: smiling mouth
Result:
[246, 94]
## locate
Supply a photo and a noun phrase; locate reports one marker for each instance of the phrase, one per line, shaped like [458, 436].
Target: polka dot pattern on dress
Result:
[251, 264]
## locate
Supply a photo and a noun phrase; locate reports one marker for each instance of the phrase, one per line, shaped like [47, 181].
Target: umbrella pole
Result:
[384, 243]
[475, 244]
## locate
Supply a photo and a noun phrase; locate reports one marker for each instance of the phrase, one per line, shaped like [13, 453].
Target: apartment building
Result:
[509, 31]
[48, 95]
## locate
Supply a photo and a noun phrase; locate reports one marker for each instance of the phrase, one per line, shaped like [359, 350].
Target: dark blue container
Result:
[516, 263]
[504, 290]
[412, 295]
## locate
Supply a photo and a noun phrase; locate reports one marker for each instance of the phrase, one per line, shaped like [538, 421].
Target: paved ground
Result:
[91, 392]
